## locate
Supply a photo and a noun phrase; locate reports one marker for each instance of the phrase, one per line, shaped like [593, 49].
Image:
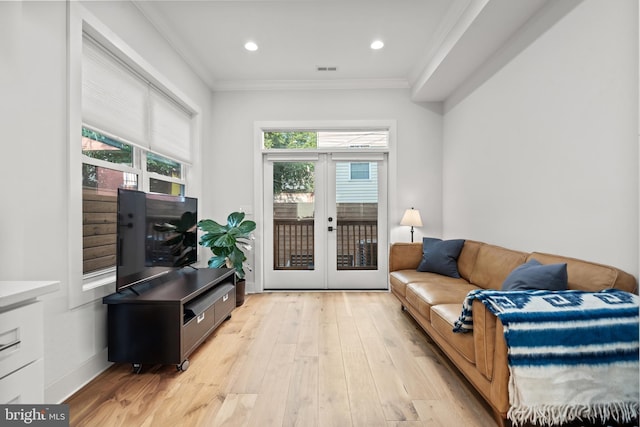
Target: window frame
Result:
[87, 288]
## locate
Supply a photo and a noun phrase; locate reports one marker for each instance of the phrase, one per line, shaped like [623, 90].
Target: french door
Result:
[325, 228]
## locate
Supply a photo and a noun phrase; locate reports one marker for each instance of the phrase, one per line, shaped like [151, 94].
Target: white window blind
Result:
[114, 100]
[170, 128]
[120, 102]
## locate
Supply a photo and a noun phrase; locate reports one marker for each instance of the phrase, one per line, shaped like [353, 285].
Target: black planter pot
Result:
[240, 291]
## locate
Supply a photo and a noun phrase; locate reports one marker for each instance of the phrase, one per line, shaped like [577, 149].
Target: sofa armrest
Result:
[491, 353]
[484, 333]
[405, 256]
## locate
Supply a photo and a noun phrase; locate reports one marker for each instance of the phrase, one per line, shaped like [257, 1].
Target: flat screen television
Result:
[157, 233]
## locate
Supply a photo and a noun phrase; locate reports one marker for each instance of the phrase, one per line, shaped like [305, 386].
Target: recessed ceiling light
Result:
[251, 46]
[377, 44]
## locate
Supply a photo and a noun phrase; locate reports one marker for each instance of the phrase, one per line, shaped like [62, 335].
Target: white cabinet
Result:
[22, 341]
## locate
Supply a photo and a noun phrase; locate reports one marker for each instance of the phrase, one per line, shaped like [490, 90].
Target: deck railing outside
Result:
[293, 244]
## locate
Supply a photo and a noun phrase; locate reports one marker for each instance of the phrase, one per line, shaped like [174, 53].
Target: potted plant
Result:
[228, 242]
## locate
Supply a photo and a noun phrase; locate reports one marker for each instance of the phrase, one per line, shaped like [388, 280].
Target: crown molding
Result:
[168, 34]
[337, 84]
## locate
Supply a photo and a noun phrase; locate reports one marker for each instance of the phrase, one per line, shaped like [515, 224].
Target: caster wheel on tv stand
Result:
[183, 366]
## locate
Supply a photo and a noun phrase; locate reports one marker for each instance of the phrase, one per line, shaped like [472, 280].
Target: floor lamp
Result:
[411, 217]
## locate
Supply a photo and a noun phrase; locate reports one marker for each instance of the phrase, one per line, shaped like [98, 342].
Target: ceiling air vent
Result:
[326, 68]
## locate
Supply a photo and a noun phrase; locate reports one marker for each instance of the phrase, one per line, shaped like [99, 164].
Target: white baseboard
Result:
[250, 288]
[61, 389]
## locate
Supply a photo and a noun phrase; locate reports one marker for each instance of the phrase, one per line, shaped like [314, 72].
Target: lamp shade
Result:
[411, 217]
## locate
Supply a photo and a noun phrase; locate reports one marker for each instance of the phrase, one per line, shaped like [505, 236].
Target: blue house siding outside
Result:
[353, 189]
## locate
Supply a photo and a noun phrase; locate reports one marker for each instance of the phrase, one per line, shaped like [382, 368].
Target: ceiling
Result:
[431, 46]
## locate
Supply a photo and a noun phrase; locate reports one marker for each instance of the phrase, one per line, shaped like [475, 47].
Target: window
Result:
[136, 133]
[354, 139]
[359, 171]
[165, 175]
[109, 164]
[305, 139]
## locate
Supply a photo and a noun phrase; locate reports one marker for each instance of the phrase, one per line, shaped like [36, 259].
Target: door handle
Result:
[4, 347]
[330, 228]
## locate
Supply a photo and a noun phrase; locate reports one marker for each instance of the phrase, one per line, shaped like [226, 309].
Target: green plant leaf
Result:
[237, 258]
[225, 241]
[210, 226]
[234, 219]
[221, 251]
[207, 240]
[247, 227]
[217, 262]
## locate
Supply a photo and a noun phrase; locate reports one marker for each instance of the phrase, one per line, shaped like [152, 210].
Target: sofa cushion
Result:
[436, 289]
[533, 275]
[441, 256]
[403, 256]
[493, 265]
[590, 276]
[401, 278]
[419, 304]
[443, 317]
[467, 258]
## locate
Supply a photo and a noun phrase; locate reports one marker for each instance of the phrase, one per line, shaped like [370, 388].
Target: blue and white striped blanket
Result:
[572, 354]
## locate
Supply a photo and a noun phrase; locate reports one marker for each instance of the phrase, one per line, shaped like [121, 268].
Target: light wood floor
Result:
[294, 359]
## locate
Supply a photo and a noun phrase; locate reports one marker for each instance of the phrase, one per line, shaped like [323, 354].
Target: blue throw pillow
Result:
[441, 256]
[534, 276]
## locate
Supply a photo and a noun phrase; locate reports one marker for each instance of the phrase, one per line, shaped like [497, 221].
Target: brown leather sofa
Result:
[435, 302]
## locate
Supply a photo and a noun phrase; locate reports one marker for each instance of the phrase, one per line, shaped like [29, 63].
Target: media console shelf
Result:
[163, 321]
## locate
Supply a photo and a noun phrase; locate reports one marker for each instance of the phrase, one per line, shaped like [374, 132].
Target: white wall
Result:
[543, 156]
[33, 119]
[229, 173]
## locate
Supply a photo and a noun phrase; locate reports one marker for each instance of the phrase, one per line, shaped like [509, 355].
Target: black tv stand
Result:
[168, 317]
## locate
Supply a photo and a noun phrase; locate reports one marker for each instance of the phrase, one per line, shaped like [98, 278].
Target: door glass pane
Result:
[357, 218]
[293, 215]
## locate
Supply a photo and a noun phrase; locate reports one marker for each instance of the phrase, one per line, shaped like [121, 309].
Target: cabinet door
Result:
[21, 337]
[206, 313]
[24, 386]
[226, 304]
[145, 333]
[194, 332]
